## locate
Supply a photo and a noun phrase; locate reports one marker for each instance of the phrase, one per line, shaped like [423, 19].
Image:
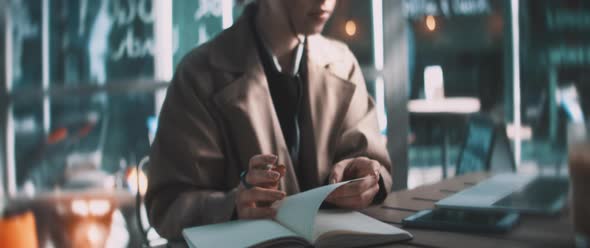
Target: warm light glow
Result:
[95, 235]
[92, 207]
[80, 207]
[132, 181]
[430, 23]
[99, 207]
[433, 82]
[350, 28]
[526, 132]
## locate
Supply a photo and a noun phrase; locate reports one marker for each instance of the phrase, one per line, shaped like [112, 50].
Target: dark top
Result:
[286, 93]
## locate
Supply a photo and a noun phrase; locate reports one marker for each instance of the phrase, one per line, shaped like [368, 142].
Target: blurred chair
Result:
[19, 231]
[485, 148]
[149, 235]
[550, 119]
[568, 98]
[570, 114]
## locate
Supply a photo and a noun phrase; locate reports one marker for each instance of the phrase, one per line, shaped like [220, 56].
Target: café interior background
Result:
[82, 81]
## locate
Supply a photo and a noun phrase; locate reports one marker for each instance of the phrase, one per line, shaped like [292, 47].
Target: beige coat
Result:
[218, 113]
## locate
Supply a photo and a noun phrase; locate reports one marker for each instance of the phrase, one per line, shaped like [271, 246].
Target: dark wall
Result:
[470, 52]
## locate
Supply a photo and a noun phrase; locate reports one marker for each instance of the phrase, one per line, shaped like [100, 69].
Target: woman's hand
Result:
[263, 177]
[358, 194]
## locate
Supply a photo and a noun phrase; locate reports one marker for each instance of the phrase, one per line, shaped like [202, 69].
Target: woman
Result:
[268, 90]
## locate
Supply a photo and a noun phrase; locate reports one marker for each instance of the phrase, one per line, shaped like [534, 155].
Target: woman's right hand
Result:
[255, 202]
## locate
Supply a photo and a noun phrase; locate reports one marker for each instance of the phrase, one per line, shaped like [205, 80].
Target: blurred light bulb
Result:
[95, 235]
[132, 177]
[350, 28]
[430, 23]
[80, 207]
[99, 207]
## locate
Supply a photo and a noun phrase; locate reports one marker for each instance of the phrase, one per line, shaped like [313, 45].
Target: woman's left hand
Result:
[358, 194]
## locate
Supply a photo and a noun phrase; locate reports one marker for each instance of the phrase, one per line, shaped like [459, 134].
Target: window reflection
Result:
[87, 134]
[26, 40]
[92, 44]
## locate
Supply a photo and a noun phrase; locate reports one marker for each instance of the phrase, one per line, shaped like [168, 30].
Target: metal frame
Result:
[86, 89]
[396, 75]
[6, 142]
[2, 147]
[3, 96]
[164, 52]
[515, 35]
[45, 64]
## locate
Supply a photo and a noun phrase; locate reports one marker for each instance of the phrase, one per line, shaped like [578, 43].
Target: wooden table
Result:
[531, 231]
[451, 105]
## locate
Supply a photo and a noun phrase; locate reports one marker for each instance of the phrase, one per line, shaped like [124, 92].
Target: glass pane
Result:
[26, 43]
[91, 43]
[94, 42]
[555, 79]
[98, 132]
[195, 22]
[456, 53]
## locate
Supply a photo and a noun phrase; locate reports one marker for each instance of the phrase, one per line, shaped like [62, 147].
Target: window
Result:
[84, 83]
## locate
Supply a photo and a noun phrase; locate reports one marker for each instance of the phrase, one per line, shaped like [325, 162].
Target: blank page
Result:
[240, 233]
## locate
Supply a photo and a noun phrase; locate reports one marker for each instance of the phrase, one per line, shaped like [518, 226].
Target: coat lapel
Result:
[254, 127]
[328, 101]
[246, 106]
[245, 102]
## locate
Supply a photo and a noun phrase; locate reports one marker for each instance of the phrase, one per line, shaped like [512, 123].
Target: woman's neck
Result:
[278, 33]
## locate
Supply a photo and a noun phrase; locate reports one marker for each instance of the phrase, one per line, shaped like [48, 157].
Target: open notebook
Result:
[299, 222]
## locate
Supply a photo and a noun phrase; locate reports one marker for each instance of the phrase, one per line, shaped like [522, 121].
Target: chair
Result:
[148, 234]
[485, 148]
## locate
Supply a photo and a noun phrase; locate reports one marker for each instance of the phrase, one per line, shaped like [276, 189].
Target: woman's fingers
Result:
[261, 160]
[257, 194]
[337, 173]
[354, 168]
[354, 188]
[260, 173]
[358, 201]
[365, 167]
[264, 174]
[261, 177]
[249, 202]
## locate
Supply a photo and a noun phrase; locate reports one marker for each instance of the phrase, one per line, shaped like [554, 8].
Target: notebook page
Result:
[240, 233]
[298, 212]
[341, 221]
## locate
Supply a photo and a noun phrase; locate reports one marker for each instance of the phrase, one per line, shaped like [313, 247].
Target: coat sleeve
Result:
[187, 175]
[360, 134]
